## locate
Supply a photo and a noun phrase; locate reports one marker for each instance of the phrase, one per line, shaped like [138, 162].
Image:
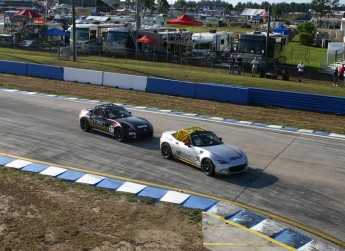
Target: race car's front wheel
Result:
[207, 167]
[166, 151]
[119, 134]
[84, 125]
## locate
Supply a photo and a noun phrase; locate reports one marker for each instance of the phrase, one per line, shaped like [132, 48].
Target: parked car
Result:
[33, 44]
[246, 25]
[203, 149]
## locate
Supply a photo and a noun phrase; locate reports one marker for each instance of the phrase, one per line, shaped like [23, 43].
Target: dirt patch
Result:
[43, 213]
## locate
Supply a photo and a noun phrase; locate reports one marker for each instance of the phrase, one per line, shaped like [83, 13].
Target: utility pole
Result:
[137, 24]
[73, 31]
[268, 32]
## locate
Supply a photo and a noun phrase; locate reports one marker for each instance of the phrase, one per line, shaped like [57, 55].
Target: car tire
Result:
[119, 134]
[166, 151]
[207, 167]
[84, 125]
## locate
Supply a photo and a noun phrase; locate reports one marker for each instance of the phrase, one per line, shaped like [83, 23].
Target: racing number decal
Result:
[111, 129]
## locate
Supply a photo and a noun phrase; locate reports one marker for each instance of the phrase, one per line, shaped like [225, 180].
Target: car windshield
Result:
[205, 139]
[115, 113]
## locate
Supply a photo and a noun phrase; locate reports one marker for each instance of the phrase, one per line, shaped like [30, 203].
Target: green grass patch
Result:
[311, 56]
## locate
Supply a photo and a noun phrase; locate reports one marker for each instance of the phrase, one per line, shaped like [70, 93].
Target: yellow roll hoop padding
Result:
[183, 133]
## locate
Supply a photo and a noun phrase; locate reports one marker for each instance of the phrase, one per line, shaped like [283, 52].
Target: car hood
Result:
[135, 121]
[225, 151]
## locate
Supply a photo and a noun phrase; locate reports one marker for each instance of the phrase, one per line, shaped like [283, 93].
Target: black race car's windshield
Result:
[115, 113]
[205, 139]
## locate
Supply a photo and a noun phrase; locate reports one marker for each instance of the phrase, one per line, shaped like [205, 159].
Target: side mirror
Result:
[187, 143]
[220, 139]
[130, 113]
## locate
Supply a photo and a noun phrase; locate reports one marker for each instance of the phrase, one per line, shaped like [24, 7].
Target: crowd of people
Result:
[258, 66]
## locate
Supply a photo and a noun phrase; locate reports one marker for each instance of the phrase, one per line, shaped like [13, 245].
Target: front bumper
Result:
[232, 169]
[139, 134]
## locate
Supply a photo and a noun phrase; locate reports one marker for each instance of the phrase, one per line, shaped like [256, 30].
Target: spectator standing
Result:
[335, 76]
[255, 64]
[232, 61]
[300, 68]
[239, 65]
[262, 68]
[341, 75]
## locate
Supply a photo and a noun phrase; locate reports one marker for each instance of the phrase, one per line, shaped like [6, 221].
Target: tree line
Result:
[319, 6]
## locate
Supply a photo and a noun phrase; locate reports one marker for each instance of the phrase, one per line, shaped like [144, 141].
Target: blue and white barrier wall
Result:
[216, 92]
[124, 81]
[171, 87]
[297, 100]
[45, 71]
[15, 68]
[223, 93]
[83, 76]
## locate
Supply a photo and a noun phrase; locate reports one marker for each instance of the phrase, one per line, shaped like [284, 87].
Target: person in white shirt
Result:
[255, 64]
[300, 68]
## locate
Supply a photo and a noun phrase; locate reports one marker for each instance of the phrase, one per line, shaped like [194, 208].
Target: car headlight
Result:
[222, 162]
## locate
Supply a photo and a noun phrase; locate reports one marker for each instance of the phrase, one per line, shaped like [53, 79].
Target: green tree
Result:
[148, 5]
[277, 11]
[115, 5]
[127, 3]
[324, 6]
[182, 4]
[306, 27]
[191, 6]
[163, 6]
[229, 8]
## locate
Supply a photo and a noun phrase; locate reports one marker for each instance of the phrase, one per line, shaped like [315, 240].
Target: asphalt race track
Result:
[300, 177]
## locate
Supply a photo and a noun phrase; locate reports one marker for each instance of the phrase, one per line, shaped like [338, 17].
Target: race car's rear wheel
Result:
[166, 151]
[119, 134]
[207, 167]
[84, 125]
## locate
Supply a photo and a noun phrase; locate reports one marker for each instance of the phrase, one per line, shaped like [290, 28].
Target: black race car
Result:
[114, 120]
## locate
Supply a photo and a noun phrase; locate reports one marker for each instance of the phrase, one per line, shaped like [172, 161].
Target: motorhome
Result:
[122, 39]
[255, 43]
[118, 40]
[212, 42]
[89, 37]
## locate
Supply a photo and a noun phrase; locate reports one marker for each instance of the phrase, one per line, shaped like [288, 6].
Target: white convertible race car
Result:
[203, 149]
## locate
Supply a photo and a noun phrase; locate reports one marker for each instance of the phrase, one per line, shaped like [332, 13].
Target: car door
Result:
[187, 151]
[99, 120]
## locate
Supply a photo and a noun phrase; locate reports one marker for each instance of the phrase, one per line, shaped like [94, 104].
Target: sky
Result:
[234, 2]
